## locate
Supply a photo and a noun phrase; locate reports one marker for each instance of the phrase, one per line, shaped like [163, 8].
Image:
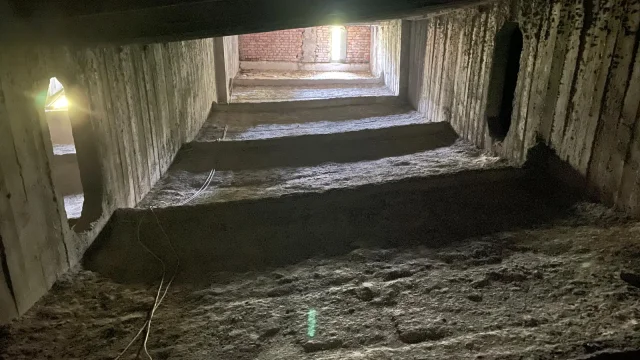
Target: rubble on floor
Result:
[553, 291]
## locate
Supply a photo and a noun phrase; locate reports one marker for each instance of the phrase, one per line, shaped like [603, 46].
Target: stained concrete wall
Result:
[578, 87]
[132, 109]
[231, 56]
[227, 65]
[389, 55]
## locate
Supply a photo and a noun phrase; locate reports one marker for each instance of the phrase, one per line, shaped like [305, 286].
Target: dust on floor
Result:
[230, 185]
[552, 292]
[302, 74]
[256, 94]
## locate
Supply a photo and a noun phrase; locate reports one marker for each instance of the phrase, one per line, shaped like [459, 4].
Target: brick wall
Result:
[287, 45]
[358, 44]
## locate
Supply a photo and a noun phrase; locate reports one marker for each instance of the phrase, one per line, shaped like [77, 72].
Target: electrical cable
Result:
[159, 298]
[202, 188]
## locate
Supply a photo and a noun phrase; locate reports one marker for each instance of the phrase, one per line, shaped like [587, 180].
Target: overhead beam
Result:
[145, 21]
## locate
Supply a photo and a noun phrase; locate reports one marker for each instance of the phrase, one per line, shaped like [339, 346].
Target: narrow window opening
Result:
[504, 78]
[338, 44]
[65, 168]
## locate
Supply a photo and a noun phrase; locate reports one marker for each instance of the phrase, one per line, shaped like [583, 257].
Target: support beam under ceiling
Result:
[145, 21]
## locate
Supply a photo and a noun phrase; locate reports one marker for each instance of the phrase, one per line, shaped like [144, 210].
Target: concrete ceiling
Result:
[144, 21]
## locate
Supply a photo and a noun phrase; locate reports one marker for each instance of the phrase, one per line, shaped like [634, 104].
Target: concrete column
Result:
[88, 156]
[309, 45]
[222, 86]
[405, 54]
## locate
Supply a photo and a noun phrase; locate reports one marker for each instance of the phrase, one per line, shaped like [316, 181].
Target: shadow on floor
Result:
[254, 234]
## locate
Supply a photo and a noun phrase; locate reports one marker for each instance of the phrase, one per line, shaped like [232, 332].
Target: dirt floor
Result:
[307, 75]
[549, 292]
[257, 94]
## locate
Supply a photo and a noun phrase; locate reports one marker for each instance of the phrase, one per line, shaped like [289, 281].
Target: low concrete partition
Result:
[311, 150]
[305, 82]
[293, 104]
[256, 234]
[300, 66]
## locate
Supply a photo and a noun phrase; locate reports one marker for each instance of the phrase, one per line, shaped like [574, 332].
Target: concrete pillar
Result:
[405, 53]
[88, 156]
[309, 45]
[222, 85]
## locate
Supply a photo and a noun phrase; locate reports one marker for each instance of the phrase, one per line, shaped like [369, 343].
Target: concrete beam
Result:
[146, 21]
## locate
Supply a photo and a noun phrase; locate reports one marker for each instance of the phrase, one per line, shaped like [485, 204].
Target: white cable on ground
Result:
[155, 303]
[202, 188]
[159, 298]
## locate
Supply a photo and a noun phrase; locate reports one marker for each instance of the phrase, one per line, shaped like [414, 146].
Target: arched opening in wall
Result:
[338, 44]
[65, 167]
[504, 78]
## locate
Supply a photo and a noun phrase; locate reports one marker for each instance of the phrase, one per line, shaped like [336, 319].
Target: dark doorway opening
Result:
[504, 78]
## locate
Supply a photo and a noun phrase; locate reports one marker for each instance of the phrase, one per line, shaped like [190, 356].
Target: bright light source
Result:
[336, 43]
[61, 103]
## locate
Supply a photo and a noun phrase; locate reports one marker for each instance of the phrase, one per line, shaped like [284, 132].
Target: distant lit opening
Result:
[56, 98]
[65, 168]
[338, 43]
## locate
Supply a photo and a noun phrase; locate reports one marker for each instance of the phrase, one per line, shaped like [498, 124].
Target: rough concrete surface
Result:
[251, 183]
[132, 108]
[549, 292]
[256, 94]
[241, 125]
[307, 75]
[303, 78]
[299, 66]
[578, 86]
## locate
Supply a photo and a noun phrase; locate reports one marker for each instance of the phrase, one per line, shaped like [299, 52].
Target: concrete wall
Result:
[132, 109]
[227, 65]
[578, 89]
[231, 56]
[307, 45]
[389, 56]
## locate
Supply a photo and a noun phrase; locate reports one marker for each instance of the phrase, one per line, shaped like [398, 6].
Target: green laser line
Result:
[311, 323]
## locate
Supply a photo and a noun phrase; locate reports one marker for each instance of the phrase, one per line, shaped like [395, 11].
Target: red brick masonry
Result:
[286, 45]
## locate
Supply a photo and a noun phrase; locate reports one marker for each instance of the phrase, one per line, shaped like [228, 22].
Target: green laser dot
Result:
[41, 99]
[311, 323]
